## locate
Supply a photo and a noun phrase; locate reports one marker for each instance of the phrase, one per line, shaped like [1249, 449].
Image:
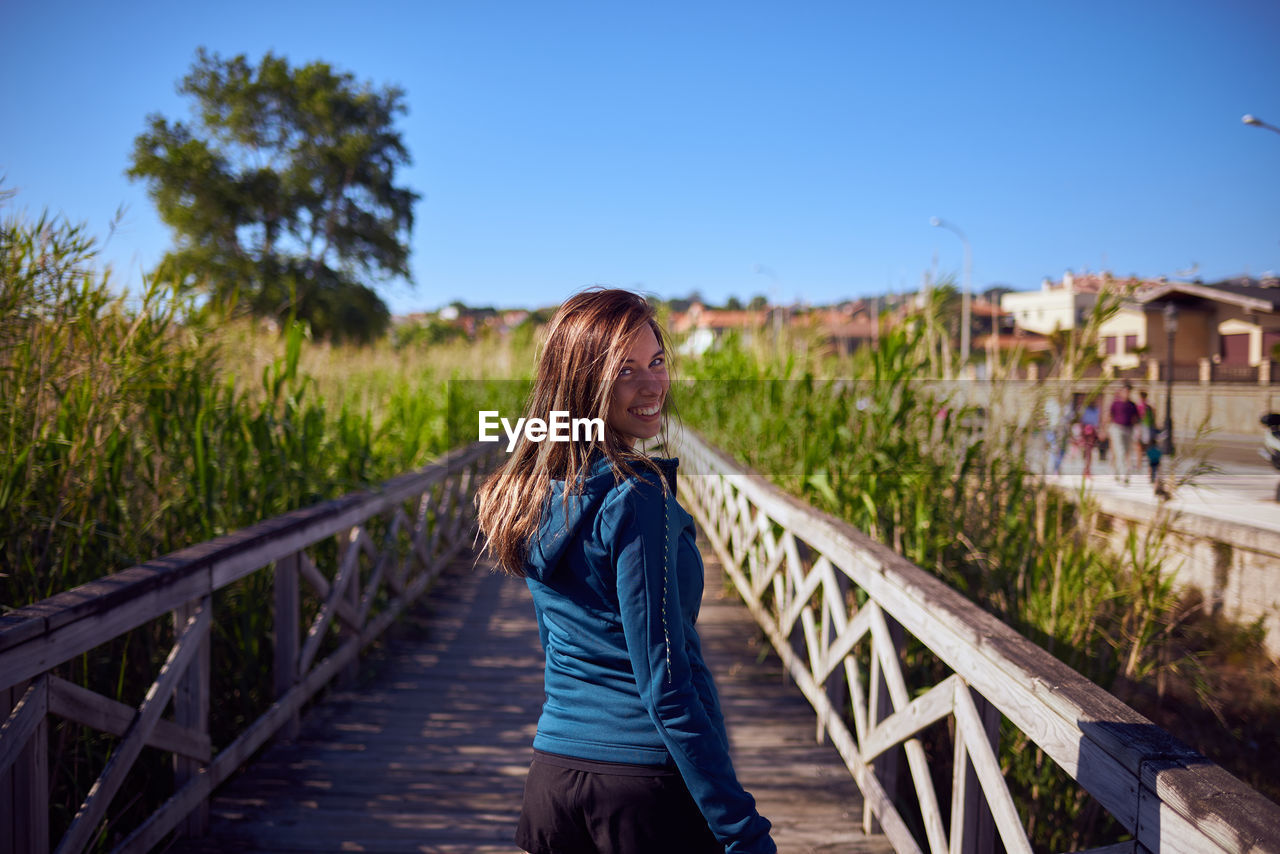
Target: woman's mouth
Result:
[646, 413]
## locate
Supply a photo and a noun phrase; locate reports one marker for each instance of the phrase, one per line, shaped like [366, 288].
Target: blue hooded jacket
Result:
[617, 584]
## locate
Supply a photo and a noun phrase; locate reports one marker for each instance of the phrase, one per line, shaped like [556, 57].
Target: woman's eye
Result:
[658, 361]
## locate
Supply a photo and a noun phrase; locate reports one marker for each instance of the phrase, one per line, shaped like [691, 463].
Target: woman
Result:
[631, 753]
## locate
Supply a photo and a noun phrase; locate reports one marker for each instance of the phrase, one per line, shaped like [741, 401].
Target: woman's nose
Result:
[649, 382]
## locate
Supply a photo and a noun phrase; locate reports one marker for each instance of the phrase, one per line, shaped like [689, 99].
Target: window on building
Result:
[1109, 345]
[1130, 343]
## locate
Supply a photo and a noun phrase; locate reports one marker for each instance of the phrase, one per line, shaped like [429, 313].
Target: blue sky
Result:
[792, 149]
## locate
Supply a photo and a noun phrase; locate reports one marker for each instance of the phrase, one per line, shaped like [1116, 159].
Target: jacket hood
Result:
[558, 527]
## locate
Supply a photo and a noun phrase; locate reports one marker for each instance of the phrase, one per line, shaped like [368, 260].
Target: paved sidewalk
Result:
[1241, 491]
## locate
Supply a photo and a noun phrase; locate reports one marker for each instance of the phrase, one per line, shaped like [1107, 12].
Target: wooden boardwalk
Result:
[430, 754]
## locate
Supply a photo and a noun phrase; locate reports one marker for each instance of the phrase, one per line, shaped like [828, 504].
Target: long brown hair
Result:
[577, 368]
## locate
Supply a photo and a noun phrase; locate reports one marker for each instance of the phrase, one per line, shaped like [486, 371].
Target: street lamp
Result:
[1170, 328]
[1250, 119]
[964, 297]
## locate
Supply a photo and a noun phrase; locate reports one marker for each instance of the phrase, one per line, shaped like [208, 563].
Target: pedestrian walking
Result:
[1057, 433]
[1146, 422]
[1153, 455]
[631, 754]
[1086, 435]
[1122, 419]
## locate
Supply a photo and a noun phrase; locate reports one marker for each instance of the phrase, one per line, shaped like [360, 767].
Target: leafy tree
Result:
[281, 192]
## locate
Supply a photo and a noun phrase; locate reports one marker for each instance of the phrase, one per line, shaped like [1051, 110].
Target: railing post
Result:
[8, 822]
[973, 827]
[286, 627]
[888, 765]
[24, 787]
[837, 687]
[351, 670]
[191, 710]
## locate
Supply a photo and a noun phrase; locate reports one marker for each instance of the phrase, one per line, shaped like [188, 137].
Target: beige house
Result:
[1123, 337]
[1060, 305]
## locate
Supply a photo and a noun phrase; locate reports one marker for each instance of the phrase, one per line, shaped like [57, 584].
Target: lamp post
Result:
[1170, 329]
[964, 297]
[1250, 119]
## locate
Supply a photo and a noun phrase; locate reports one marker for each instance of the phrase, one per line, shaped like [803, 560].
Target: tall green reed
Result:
[944, 477]
[128, 432]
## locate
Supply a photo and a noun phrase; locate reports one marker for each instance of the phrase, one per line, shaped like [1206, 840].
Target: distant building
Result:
[847, 327]
[700, 327]
[1056, 305]
[1225, 331]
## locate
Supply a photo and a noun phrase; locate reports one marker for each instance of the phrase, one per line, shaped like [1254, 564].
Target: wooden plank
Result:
[970, 643]
[922, 712]
[1117, 848]
[361, 544]
[349, 562]
[34, 765]
[23, 722]
[9, 698]
[85, 823]
[175, 810]
[93, 628]
[961, 782]
[886, 649]
[41, 635]
[24, 764]
[137, 595]
[1196, 802]
[191, 710]
[76, 703]
[1098, 740]
[307, 570]
[842, 645]
[978, 825]
[432, 755]
[285, 628]
[969, 726]
[381, 560]
[891, 822]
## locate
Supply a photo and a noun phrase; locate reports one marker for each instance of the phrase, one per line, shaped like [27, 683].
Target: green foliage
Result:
[919, 467]
[282, 191]
[427, 334]
[123, 439]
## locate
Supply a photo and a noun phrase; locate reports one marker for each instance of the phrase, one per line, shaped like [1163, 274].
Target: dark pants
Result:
[575, 806]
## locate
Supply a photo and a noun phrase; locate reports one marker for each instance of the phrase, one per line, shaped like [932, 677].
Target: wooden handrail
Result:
[1166, 795]
[38, 638]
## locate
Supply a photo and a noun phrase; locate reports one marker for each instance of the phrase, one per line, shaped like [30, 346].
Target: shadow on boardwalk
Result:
[430, 754]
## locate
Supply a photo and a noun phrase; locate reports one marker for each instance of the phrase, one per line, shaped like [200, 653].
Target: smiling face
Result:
[635, 408]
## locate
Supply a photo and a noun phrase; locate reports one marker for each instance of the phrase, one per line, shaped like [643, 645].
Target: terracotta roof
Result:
[982, 307]
[712, 318]
[1029, 342]
[860, 327]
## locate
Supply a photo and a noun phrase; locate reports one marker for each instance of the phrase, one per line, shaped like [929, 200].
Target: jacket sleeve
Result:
[648, 599]
[706, 687]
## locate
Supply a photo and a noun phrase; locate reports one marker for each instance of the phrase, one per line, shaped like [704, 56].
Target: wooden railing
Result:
[426, 518]
[802, 573]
